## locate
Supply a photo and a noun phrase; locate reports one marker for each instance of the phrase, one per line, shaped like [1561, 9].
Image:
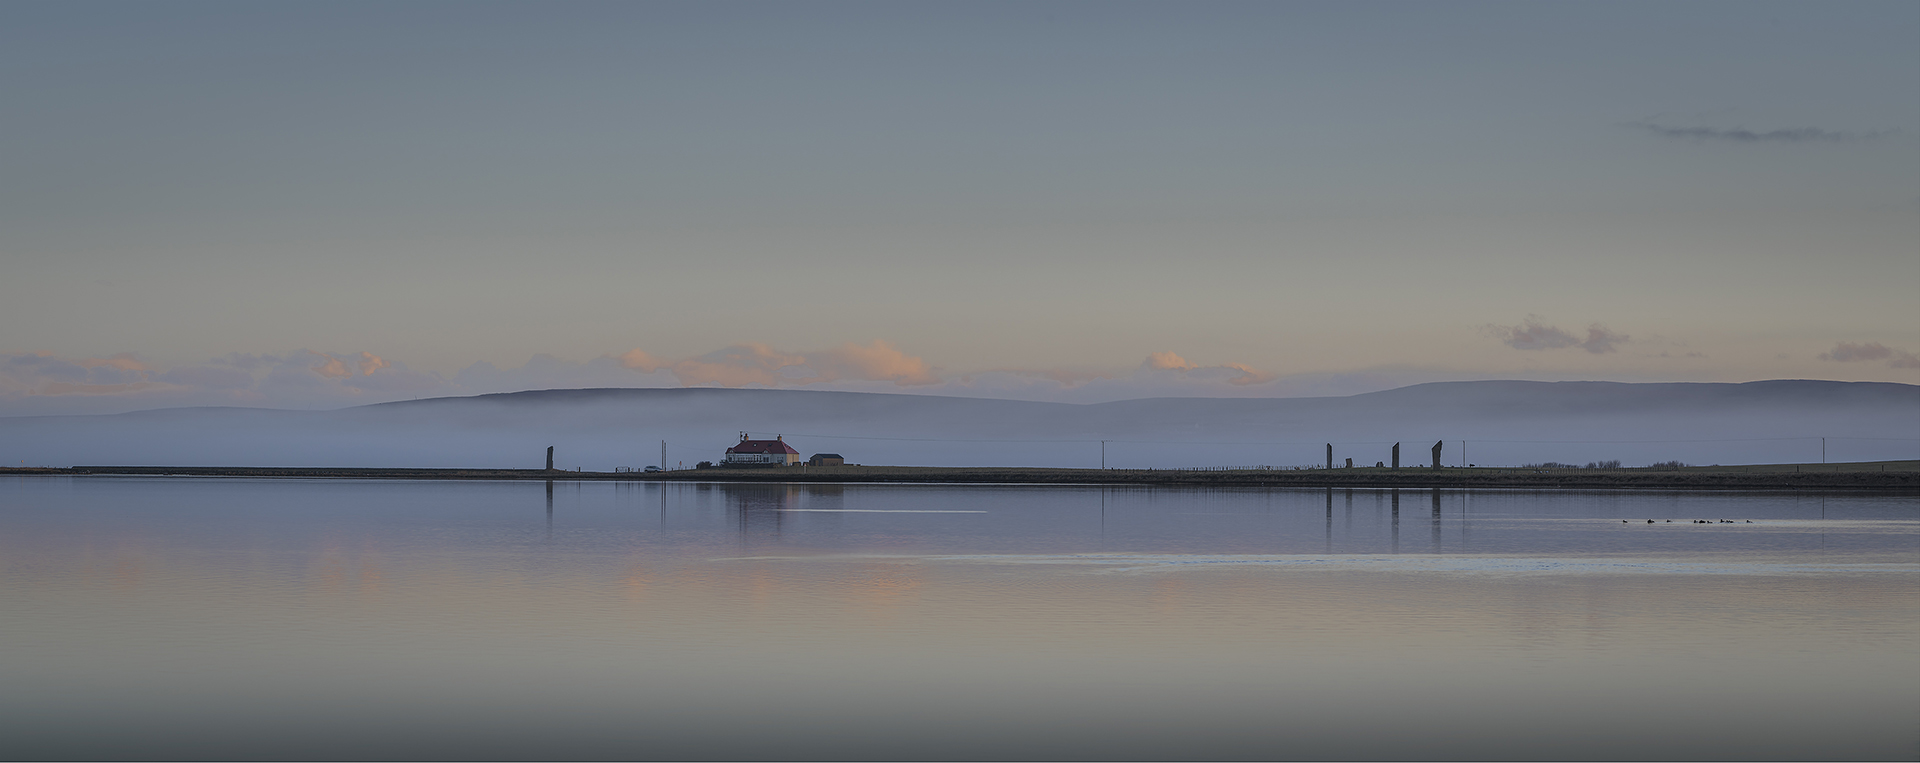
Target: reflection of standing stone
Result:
[1436, 454]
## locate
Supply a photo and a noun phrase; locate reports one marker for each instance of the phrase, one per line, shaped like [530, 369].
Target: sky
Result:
[317, 205]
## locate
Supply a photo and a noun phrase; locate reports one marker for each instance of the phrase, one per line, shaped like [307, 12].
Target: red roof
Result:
[762, 446]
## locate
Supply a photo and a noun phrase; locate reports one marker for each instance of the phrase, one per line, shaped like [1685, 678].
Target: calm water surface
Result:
[193, 618]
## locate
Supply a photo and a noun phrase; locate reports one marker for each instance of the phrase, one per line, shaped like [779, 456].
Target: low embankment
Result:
[1897, 476]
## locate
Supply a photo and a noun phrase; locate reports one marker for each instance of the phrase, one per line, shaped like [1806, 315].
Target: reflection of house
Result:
[826, 459]
[774, 452]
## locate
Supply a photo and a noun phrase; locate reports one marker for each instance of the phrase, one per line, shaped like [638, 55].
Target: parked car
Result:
[652, 469]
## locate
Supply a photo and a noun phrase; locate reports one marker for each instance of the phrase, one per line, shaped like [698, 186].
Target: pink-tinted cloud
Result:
[370, 363]
[641, 361]
[1247, 375]
[1237, 374]
[737, 366]
[123, 361]
[754, 363]
[211, 377]
[38, 382]
[878, 361]
[1065, 377]
[45, 374]
[1168, 361]
[1849, 352]
[70, 388]
[1600, 340]
[1534, 334]
[333, 368]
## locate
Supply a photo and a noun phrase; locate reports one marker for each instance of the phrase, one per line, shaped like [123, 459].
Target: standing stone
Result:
[549, 458]
[1329, 455]
[1349, 463]
[1436, 454]
[1396, 455]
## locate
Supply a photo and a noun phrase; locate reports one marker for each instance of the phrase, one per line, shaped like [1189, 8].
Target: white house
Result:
[774, 452]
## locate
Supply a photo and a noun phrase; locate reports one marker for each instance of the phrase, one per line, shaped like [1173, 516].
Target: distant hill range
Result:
[1487, 422]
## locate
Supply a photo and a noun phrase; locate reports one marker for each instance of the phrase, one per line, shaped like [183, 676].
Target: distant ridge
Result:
[1504, 394]
[1513, 422]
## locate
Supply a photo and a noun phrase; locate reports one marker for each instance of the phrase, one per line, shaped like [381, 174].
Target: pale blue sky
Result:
[1020, 199]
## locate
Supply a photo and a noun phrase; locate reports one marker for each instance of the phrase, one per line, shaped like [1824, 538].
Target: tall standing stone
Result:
[1436, 454]
[1396, 455]
[550, 458]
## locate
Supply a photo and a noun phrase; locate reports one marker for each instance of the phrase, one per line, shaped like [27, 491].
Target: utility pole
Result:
[663, 455]
[1823, 450]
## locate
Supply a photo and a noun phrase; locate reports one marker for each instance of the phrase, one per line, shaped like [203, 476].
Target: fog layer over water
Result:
[1488, 423]
[182, 618]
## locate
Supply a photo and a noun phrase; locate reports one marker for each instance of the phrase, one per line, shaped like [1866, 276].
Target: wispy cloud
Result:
[1850, 352]
[370, 363]
[1237, 374]
[38, 382]
[43, 373]
[331, 367]
[1533, 333]
[754, 363]
[1067, 378]
[1743, 135]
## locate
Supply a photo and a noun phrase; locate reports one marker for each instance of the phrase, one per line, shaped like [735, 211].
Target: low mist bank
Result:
[1485, 423]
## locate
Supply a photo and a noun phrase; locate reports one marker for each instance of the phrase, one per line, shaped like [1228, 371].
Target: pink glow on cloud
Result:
[334, 368]
[123, 361]
[1065, 377]
[370, 363]
[71, 388]
[1167, 361]
[1245, 376]
[878, 361]
[757, 363]
[639, 360]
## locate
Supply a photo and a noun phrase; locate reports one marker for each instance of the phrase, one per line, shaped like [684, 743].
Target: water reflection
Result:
[1436, 520]
[355, 620]
[1396, 521]
[1329, 533]
[775, 519]
[759, 509]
